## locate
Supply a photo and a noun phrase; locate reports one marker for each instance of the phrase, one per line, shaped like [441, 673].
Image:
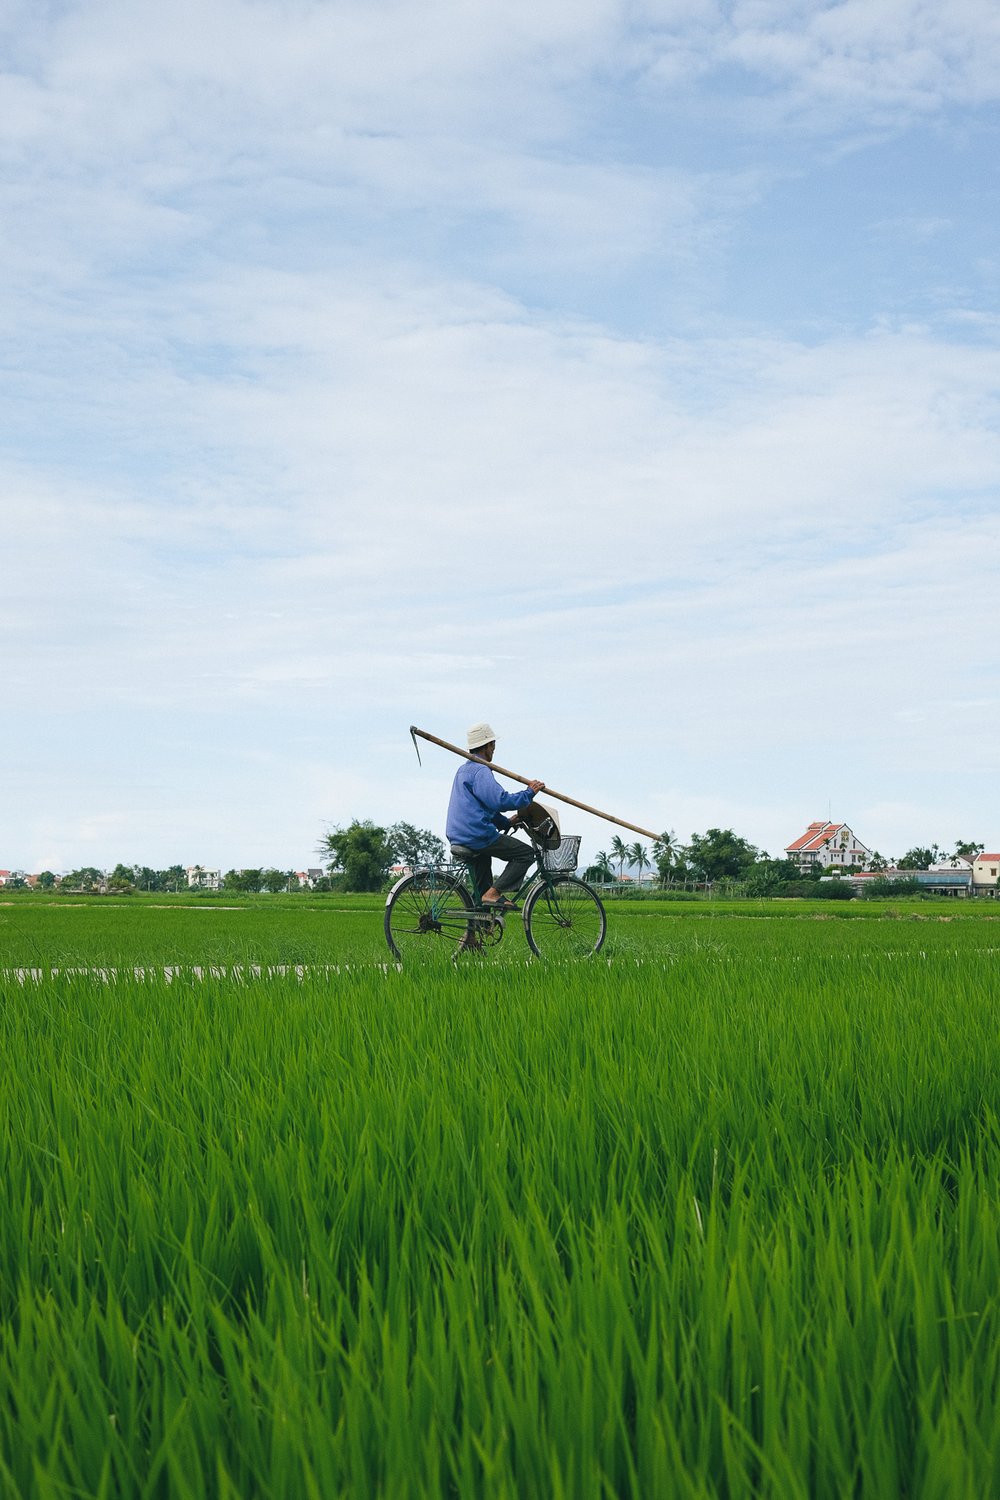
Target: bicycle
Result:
[433, 914]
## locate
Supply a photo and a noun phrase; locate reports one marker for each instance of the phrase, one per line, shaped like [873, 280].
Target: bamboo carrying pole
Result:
[513, 776]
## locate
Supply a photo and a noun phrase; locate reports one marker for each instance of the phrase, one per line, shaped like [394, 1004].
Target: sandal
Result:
[501, 904]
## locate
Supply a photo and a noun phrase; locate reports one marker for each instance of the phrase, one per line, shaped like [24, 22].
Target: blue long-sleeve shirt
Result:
[475, 812]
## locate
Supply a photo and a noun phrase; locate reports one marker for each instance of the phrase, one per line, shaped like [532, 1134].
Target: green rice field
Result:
[716, 1213]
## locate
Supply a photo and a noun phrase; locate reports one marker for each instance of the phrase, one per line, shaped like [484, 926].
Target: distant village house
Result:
[828, 845]
[833, 847]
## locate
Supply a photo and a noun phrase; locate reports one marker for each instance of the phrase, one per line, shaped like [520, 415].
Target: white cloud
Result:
[854, 64]
[448, 495]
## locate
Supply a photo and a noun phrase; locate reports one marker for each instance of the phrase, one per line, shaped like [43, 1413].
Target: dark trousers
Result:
[518, 856]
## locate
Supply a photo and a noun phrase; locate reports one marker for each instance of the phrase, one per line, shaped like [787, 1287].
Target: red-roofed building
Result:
[828, 844]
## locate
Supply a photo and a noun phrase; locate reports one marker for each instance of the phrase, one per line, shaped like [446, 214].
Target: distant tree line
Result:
[126, 880]
[722, 860]
[122, 879]
[360, 857]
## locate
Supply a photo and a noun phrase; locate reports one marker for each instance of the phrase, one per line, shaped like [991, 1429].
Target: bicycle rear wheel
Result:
[427, 917]
[564, 918]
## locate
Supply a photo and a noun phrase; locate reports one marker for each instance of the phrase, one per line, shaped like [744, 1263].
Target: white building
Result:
[201, 879]
[952, 878]
[828, 844]
[956, 876]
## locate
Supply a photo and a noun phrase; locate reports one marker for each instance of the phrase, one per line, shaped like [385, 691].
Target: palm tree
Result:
[682, 861]
[665, 853]
[639, 856]
[620, 852]
[600, 870]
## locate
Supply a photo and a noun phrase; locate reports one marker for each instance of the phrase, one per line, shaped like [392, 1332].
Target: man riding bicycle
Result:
[477, 829]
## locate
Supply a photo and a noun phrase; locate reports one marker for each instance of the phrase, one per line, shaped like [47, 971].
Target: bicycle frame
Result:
[535, 872]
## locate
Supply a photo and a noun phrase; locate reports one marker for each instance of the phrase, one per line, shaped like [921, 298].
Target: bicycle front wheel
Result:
[564, 918]
[427, 917]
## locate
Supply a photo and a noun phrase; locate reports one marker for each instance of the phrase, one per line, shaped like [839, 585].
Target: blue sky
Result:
[623, 373]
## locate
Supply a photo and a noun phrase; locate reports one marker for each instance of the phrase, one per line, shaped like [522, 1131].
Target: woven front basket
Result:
[566, 856]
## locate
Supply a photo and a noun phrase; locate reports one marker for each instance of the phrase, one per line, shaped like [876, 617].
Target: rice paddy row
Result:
[290, 931]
